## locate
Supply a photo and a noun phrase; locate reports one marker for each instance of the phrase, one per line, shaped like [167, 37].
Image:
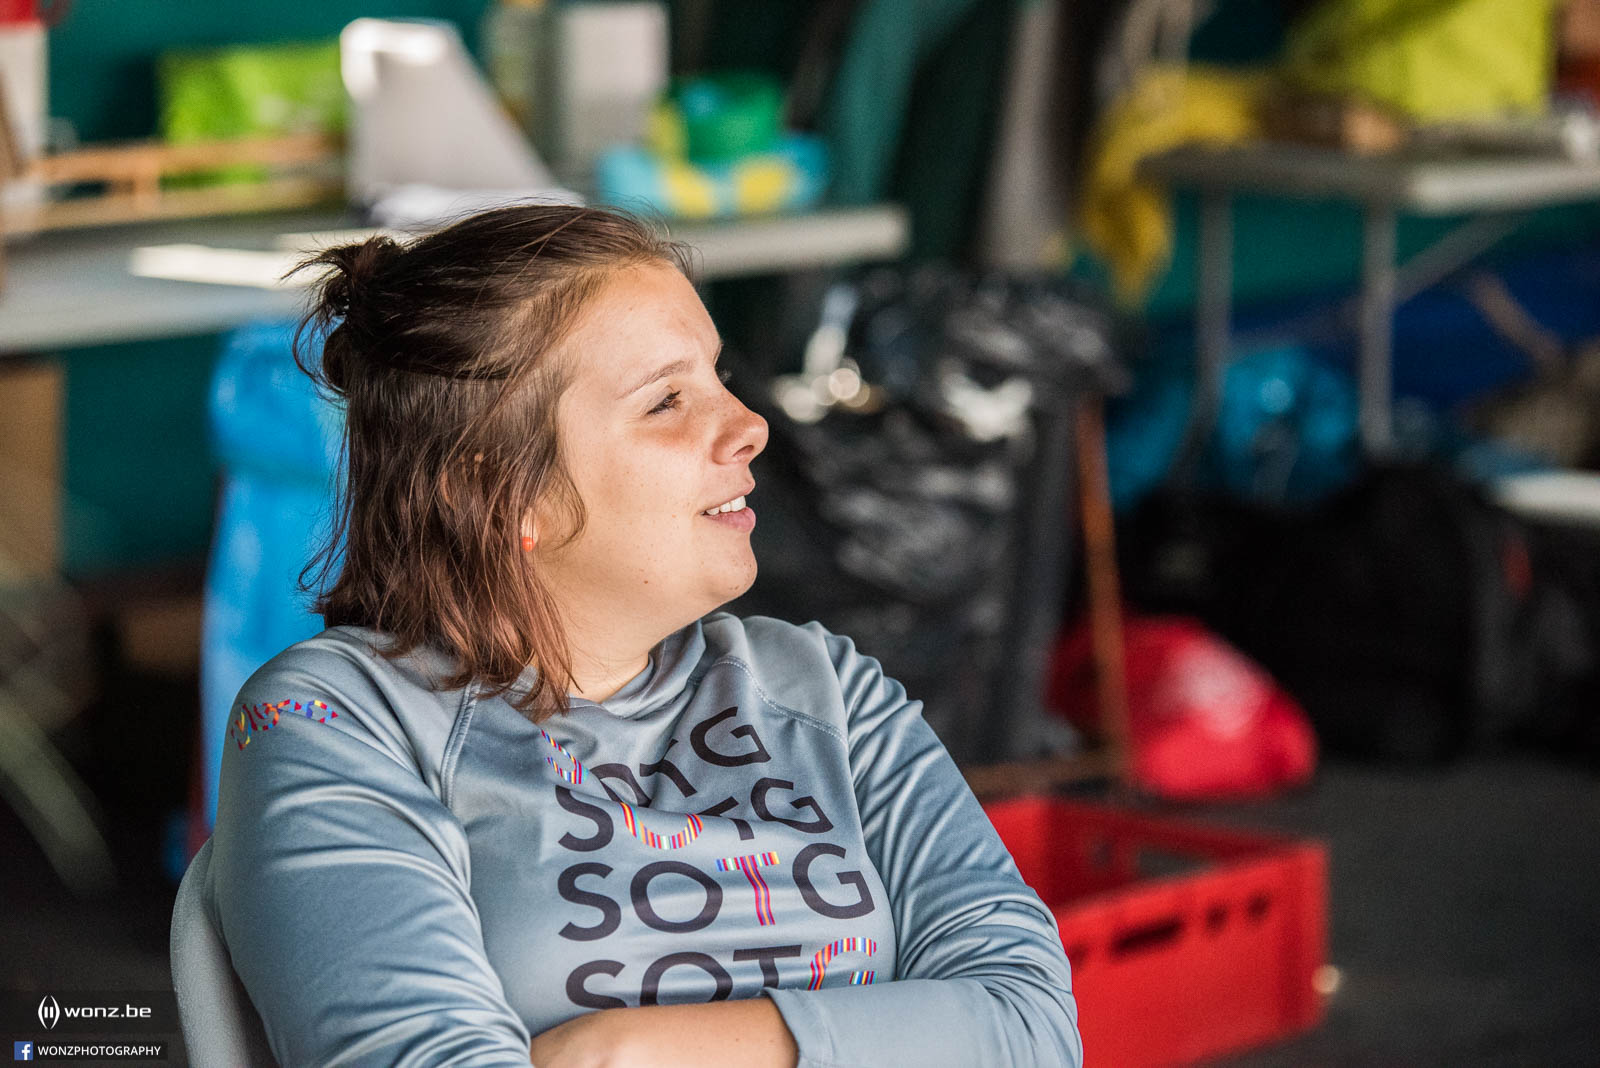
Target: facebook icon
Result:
[22, 1051]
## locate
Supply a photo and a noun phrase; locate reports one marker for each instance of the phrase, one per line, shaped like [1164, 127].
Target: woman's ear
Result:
[530, 530]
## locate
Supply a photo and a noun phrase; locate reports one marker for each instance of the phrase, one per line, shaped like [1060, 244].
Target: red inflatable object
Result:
[1204, 721]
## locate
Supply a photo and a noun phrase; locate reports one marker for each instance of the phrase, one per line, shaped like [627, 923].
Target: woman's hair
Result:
[443, 354]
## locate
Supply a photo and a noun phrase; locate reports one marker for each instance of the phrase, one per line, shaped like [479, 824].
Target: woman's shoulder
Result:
[800, 666]
[820, 670]
[778, 641]
[350, 650]
[341, 679]
[354, 660]
[767, 642]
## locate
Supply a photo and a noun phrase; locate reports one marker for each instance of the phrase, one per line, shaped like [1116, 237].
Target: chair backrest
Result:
[220, 1026]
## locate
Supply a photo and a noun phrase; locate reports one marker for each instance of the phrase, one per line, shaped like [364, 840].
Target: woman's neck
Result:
[596, 680]
[606, 655]
[608, 639]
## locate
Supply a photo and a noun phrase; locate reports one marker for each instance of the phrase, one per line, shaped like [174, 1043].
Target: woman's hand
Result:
[593, 1040]
[738, 1034]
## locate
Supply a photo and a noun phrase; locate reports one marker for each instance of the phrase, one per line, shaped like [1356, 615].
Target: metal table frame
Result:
[1496, 193]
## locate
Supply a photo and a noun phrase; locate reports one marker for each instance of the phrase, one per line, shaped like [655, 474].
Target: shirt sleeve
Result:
[341, 888]
[981, 975]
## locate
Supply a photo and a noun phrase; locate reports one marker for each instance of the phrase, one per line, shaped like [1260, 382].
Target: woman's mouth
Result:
[734, 514]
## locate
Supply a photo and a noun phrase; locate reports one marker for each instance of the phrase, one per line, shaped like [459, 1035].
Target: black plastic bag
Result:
[924, 514]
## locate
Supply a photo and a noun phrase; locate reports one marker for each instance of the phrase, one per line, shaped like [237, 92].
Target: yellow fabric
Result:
[664, 132]
[761, 184]
[1439, 60]
[1126, 221]
[689, 194]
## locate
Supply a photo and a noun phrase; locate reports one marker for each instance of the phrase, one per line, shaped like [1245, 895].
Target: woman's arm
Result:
[735, 1034]
[980, 979]
[341, 884]
[981, 976]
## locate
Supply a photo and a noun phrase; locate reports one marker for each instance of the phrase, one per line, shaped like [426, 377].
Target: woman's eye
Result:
[668, 402]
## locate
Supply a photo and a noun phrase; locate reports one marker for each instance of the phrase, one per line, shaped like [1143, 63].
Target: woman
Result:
[525, 798]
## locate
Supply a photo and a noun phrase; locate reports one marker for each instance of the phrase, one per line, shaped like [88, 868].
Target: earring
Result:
[527, 543]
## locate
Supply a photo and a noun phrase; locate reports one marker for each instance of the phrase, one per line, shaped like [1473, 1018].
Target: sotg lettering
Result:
[675, 897]
[826, 886]
[579, 993]
[850, 899]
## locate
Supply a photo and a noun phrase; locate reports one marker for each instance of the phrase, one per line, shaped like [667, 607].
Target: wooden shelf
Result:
[303, 170]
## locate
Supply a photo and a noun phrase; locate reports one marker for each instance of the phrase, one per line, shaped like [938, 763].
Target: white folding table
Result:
[1494, 191]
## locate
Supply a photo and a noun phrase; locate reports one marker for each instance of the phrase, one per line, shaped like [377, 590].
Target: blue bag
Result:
[278, 442]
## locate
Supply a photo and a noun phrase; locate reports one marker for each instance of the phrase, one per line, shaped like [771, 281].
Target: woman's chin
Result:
[736, 582]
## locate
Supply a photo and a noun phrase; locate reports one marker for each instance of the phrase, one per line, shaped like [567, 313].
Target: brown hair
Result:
[442, 353]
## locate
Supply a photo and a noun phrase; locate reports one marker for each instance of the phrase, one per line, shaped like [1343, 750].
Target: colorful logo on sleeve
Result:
[264, 717]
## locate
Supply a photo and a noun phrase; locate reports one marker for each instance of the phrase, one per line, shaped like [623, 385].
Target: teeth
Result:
[731, 506]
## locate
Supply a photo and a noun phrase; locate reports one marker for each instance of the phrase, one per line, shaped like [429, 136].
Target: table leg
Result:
[1379, 290]
[52, 802]
[1213, 325]
[30, 466]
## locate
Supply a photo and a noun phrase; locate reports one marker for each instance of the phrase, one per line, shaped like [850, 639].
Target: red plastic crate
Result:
[1186, 942]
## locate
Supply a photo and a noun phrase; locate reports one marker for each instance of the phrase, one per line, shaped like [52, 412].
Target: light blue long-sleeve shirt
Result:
[405, 876]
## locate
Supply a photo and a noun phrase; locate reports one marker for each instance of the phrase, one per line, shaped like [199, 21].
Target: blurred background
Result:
[1195, 402]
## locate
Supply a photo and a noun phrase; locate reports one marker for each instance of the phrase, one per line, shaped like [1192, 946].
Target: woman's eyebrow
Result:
[667, 370]
[664, 371]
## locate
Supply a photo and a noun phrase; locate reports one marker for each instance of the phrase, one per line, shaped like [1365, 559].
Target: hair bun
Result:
[344, 307]
[347, 287]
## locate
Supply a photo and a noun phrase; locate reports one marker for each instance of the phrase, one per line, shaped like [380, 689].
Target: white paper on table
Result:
[423, 117]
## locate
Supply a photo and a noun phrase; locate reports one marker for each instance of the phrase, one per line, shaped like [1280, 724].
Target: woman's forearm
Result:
[738, 1034]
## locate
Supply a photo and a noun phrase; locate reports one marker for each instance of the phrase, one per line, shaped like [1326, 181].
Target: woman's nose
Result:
[745, 436]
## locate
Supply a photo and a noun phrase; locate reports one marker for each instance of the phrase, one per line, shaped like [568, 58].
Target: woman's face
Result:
[652, 441]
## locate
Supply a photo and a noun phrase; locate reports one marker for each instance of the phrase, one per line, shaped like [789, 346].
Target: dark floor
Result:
[1465, 902]
[1465, 914]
